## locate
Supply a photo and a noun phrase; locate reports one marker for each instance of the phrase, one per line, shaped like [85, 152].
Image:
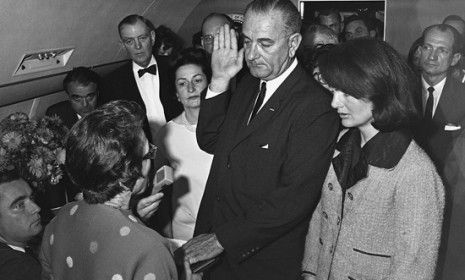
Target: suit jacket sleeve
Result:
[211, 118]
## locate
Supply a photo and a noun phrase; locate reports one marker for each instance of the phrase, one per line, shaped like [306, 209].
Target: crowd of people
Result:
[298, 152]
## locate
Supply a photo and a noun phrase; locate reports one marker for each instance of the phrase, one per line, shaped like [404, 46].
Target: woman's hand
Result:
[147, 206]
[188, 275]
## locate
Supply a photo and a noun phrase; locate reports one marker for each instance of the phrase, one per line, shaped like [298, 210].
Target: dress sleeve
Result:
[155, 264]
[44, 255]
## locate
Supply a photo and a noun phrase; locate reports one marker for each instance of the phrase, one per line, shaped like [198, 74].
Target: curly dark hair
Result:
[104, 150]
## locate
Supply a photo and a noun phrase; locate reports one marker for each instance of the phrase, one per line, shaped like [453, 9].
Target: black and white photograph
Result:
[232, 140]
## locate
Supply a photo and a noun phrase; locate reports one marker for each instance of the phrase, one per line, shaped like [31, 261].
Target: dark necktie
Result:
[429, 105]
[258, 104]
[152, 70]
[30, 252]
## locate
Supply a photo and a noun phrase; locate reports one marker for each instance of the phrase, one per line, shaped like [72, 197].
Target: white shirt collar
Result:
[272, 85]
[16, 248]
[437, 87]
[136, 67]
[436, 93]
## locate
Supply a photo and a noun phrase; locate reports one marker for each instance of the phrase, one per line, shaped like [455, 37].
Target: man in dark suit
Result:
[147, 81]
[272, 141]
[19, 224]
[443, 98]
[81, 85]
[443, 124]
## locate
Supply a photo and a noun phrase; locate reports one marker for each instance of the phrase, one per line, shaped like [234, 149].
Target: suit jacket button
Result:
[321, 241]
[218, 198]
[351, 197]
[338, 220]
[330, 186]
[325, 215]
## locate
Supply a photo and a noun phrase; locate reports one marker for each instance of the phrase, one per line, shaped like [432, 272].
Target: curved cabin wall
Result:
[90, 27]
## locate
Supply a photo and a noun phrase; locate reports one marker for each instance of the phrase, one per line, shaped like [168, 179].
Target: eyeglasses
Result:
[208, 39]
[89, 97]
[151, 153]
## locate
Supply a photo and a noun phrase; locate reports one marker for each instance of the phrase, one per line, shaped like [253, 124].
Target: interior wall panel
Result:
[90, 27]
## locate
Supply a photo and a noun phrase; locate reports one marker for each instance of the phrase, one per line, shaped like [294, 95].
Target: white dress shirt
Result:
[149, 88]
[436, 93]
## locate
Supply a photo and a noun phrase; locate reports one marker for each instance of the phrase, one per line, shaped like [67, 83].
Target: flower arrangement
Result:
[33, 148]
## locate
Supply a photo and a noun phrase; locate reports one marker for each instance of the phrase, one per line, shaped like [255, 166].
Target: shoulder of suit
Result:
[60, 106]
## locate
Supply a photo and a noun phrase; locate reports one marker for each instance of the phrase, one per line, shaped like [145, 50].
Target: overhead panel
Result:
[43, 60]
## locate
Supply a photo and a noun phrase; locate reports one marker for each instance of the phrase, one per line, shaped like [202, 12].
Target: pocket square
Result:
[264, 146]
[451, 127]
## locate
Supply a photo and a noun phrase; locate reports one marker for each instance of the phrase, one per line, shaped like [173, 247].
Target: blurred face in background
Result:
[83, 98]
[209, 30]
[138, 41]
[357, 29]
[190, 81]
[332, 21]
[318, 40]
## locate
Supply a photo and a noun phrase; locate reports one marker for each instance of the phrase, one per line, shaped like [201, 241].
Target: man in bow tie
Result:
[443, 122]
[145, 80]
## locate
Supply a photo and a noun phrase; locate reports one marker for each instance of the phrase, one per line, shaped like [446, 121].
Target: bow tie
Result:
[152, 70]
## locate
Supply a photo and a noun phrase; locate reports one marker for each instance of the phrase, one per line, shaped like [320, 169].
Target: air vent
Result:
[43, 60]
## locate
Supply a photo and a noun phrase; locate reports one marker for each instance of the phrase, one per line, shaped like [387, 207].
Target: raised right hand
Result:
[226, 59]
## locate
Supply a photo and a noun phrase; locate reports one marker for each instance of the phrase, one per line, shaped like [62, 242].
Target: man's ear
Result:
[456, 58]
[294, 43]
[152, 36]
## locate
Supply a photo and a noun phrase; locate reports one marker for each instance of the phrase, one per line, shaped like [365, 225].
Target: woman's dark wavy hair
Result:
[194, 56]
[105, 149]
[372, 70]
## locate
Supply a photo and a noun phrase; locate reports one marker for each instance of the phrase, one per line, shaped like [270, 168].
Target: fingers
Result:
[240, 57]
[216, 43]
[232, 35]
[227, 37]
[221, 39]
[152, 198]
[146, 207]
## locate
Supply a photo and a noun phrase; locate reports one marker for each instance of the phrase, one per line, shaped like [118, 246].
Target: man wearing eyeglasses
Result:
[81, 85]
[144, 80]
[210, 26]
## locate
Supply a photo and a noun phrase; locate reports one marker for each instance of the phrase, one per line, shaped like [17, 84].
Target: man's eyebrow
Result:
[19, 198]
